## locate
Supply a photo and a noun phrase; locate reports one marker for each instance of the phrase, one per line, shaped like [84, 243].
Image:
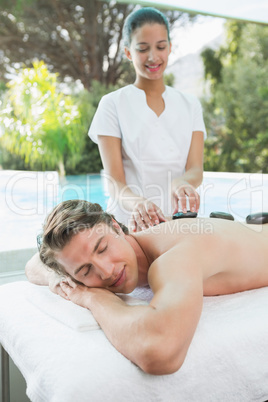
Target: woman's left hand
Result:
[180, 195]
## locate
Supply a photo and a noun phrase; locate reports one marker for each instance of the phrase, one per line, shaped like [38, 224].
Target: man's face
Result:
[100, 257]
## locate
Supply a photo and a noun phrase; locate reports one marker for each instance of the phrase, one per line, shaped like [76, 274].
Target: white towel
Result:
[68, 313]
[226, 361]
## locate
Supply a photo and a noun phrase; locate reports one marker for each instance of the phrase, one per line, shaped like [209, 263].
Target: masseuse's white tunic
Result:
[154, 149]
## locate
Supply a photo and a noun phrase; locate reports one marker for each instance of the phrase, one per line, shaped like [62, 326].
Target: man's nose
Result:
[106, 270]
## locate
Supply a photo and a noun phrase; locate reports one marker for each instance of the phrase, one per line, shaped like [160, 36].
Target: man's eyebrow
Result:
[97, 244]
[94, 250]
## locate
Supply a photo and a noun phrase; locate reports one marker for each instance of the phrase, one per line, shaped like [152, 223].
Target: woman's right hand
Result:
[144, 215]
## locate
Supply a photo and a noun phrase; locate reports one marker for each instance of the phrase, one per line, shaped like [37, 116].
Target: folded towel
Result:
[68, 313]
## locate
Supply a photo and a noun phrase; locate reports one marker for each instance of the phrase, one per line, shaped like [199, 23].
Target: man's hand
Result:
[54, 281]
[79, 293]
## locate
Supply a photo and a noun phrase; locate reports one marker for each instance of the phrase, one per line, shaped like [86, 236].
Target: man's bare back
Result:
[233, 256]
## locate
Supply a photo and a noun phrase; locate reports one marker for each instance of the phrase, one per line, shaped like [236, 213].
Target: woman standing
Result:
[150, 136]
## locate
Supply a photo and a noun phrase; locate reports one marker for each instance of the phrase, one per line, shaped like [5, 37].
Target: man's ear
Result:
[127, 53]
[116, 226]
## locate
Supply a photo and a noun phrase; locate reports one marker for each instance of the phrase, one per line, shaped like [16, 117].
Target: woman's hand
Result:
[180, 195]
[144, 215]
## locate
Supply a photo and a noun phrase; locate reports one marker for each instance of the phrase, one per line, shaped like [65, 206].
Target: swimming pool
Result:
[27, 197]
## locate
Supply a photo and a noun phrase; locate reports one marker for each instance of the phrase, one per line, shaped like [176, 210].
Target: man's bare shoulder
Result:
[159, 239]
[210, 245]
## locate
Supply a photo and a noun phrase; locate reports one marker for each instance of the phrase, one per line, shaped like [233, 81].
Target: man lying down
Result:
[92, 257]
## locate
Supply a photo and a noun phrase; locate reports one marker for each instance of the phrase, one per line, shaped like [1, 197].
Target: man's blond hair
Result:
[65, 221]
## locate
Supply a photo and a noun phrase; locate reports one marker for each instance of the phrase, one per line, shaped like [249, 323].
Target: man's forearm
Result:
[136, 331]
[125, 326]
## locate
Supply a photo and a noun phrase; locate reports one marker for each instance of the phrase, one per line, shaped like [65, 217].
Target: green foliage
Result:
[87, 101]
[236, 114]
[42, 127]
[38, 121]
[11, 161]
[3, 87]
[212, 65]
[16, 5]
[234, 34]
[169, 79]
[81, 39]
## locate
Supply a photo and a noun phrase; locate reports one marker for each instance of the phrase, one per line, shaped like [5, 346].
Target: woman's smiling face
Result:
[101, 257]
[149, 51]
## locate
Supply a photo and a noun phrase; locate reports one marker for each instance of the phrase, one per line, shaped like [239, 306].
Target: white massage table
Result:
[65, 357]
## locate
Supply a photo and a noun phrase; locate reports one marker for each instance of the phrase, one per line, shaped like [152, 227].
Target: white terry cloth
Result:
[227, 360]
[66, 312]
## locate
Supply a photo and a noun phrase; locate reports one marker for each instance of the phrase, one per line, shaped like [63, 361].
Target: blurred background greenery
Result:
[58, 58]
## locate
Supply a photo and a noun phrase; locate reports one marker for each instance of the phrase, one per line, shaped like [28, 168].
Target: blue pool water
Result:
[86, 187]
[27, 197]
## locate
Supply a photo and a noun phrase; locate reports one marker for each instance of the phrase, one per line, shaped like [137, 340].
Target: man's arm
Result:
[155, 337]
[39, 274]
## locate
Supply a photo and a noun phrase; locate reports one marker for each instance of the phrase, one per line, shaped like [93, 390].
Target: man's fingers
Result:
[71, 282]
[64, 290]
[65, 286]
[63, 294]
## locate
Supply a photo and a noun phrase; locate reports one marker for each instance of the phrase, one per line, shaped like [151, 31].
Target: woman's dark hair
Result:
[65, 221]
[138, 18]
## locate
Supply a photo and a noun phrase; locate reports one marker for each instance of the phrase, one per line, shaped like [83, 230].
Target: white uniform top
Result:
[154, 149]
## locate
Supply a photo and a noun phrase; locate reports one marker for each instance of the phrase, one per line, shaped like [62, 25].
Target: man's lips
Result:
[120, 279]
